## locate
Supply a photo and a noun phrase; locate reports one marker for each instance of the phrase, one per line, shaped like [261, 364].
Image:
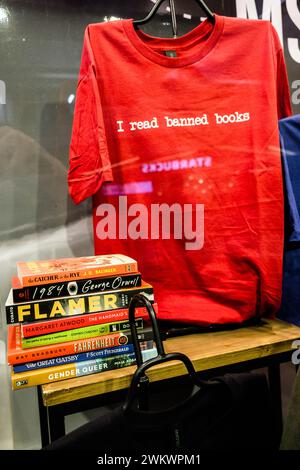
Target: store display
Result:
[181, 155]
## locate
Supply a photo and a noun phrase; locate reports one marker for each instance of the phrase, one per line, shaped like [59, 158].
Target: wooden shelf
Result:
[206, 350]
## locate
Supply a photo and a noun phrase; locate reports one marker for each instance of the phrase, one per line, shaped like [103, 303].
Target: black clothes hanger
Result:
[145, 20]
[139, 382]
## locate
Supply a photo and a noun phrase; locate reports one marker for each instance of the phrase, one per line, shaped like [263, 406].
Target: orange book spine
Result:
[58, 276]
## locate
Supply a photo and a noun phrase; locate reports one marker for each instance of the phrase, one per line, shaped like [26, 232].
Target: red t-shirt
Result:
[191, 127]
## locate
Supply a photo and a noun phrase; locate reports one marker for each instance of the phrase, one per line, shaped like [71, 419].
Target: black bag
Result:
[227, 413]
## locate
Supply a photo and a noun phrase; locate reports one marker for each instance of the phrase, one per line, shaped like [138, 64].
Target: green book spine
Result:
[79, 333]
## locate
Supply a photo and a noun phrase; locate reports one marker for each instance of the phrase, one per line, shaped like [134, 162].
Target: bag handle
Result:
[140, 381]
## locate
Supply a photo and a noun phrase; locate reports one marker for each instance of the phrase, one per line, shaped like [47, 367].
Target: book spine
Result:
[16, 355]
[71, 306]
[55, 374]
[51, 326]
[87, 356]
[78, 287]
[79, 333]
[58, 276]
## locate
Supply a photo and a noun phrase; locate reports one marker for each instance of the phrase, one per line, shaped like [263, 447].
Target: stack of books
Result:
[69, 317]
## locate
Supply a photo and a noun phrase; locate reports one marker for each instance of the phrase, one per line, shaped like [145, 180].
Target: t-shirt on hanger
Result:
[200, 128]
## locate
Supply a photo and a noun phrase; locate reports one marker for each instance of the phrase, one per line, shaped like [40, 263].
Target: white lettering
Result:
[296, 354]
[271, 11]
[293, 43]
[123, 217]
[107, 226]
[187, 121]
[120, 124]
[140, 125]
[61, 375]
[296, 93]
[163, 212]
[198, 233]
[166, 222]
[236, 117]
[138, 228]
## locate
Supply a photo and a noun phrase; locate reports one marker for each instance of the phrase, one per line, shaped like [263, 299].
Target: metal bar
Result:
[43, 419]
[56, 423]
[173, 18]
[276, 401]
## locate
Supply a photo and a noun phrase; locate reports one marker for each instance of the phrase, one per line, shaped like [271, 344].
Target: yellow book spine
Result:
[42, 376]
[56, 373]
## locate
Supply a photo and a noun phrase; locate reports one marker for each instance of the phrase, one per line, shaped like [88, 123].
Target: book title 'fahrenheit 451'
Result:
[17, 355]
[65, 269]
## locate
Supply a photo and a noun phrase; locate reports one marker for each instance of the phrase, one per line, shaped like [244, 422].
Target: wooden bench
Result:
[213, 353]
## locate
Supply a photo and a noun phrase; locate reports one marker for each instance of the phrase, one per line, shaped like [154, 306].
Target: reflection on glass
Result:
[4, 15]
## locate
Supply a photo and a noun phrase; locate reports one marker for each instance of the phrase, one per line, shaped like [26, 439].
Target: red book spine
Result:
[51, 326]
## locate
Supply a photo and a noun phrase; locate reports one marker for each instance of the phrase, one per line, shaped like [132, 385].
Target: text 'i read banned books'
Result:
[69, 318]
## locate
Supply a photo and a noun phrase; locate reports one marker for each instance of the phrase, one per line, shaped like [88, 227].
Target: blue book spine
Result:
[86, 356]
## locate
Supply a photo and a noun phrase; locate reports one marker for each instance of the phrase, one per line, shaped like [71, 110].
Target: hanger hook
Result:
[173, 18]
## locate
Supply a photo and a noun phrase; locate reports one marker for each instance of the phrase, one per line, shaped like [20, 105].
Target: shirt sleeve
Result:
[284, 107]
[89, 164]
